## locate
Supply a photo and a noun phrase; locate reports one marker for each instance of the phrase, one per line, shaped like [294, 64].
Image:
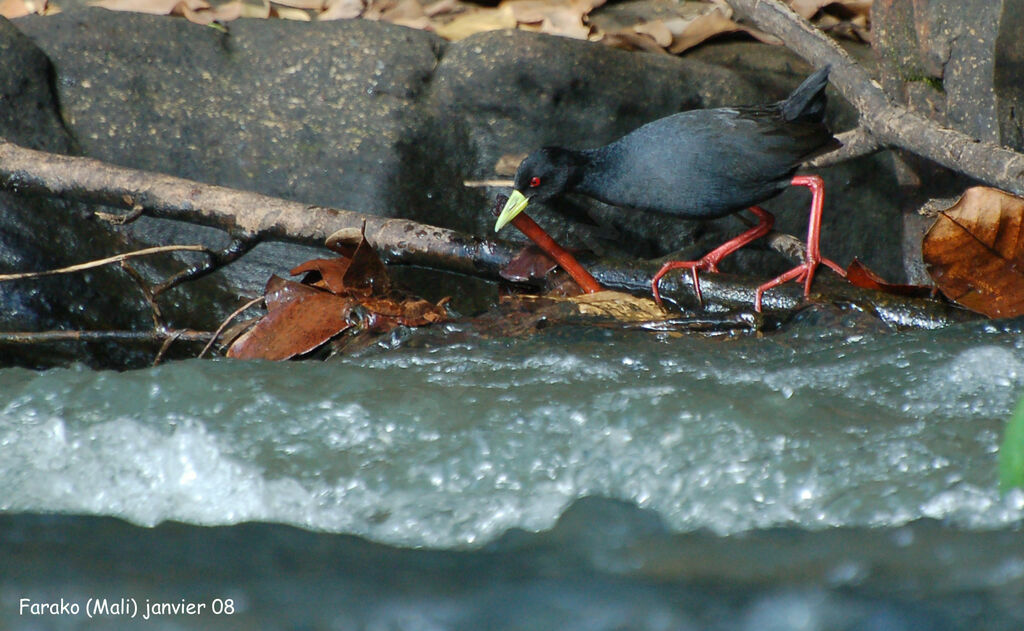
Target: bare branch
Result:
[398, 241]
[216, 260]
[890, 124]
[156, 335]
[856, 143]
[244, 213]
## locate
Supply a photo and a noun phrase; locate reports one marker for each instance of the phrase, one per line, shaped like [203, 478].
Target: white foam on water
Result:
[455, 446]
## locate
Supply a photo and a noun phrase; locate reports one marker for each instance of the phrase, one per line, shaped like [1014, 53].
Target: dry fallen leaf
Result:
[629, 39]
[309, 5]
[687, 33]
[808, 8]
[220, 13]
[252, 9]
[860, 275]
[564, 18]
[294, 328]
[335, 295]
[288, 13]
[12, 9]
[197, 11]
[475, 20]
[975, 252]
[530, 264]
[331, 273]
[156, 7]
[342, 10]
[280, 292]
[656, 30]
[619, 306]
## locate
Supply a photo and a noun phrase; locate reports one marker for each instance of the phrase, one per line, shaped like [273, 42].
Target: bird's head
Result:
[545, 173]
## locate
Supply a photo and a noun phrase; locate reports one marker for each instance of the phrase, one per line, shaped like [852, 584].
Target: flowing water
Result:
[576, 479]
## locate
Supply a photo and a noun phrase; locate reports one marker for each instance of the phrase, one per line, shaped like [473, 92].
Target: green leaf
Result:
[1011, 453]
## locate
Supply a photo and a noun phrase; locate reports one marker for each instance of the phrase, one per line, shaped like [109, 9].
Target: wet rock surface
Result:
[378, 118]
[38, 233]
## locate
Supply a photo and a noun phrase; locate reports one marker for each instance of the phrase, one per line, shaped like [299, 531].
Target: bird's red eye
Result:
[534, 182]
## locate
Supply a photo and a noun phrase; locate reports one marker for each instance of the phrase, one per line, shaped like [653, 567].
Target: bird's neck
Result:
[592, 168]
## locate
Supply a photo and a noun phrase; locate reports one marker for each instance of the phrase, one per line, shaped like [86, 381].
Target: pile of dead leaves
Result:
[350, 295]
[655, 25]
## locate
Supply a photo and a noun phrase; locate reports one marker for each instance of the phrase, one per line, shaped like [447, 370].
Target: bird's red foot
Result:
[709, 262]
[805, 271]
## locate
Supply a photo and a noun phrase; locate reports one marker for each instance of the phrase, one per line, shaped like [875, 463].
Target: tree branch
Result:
[398, 241]
[244, 213]
[890, 124]
[110, 259]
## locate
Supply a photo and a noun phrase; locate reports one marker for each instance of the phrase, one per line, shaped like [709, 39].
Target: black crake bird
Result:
[700, 164]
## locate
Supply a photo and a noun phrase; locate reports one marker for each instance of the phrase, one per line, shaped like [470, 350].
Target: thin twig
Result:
[166, 345]
[857, 142]
[157, 335]
[488, 183]
[224, 324]
[238, 247]
[147, 293]
[120, 220]
[100, 262]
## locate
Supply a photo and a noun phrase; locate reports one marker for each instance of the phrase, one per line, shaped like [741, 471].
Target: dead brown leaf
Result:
[289, 13]
[280, 291]
[294, 328]
[342, 10]
[860, 275]
[566, 18]
[656, 30]
[687, 33]
[197, 11]
[366, 272]
[975, 252]
[441, 7]
[12, 9]
[619, 306]
[352, 290]
[221, 13]
[406, 311]
[331, 273]
[156, 7]
[309, 5]
[475, 20]
[531, 263]
[809, 8]
[631, 40]
[403, 12]
[256, 9]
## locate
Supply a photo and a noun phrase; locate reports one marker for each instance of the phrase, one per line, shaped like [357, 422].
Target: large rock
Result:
[38, 234]
[382, 119]
[319, 112]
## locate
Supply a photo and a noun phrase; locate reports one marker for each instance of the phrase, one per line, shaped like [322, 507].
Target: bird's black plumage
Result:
[699, 164]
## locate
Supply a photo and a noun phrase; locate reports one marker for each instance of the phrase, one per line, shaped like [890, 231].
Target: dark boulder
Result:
[383, 119]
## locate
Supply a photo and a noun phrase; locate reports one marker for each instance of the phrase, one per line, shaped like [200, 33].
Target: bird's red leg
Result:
[709, 262]
[805, 271]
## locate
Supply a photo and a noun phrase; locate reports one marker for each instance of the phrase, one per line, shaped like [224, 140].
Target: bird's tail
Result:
[807, 102]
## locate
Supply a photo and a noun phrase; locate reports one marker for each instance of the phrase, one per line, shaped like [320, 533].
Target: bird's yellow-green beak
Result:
[515, 205]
